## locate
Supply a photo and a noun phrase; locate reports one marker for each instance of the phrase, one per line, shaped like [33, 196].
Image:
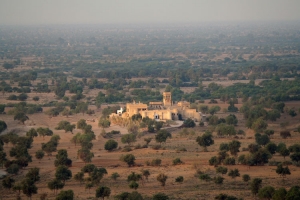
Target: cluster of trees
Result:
[19, 151]
[84, 140]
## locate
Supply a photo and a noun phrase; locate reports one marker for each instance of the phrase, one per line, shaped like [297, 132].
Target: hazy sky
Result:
[144, 11]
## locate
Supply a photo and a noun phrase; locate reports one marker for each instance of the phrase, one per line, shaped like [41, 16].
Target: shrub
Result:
[285, 134]
[204, 177]
[110, 145]
[156, 162]
[229, 161]
[103, 122]
[129, 159]
[156, 147]
[126, 149]
[36, 98]
[177, 161]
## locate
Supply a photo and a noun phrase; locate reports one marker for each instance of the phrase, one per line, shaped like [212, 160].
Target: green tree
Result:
[133, 185]
[3, 126]
[115, 175]
[266, 192]
[102, 192]
[212, 110]
[39, 154]
[62, 158]
[8, 182]
[218, 180]
[65, 195]
[203, 108]
[225, 197]
[3, 158]
[292, 113]
[128, 138]
[32, 133]
[189, 123]
[55, 185]
[81, 124]
[29, 188]
[279, 194]
[33, 174]
[162, 136]
[293, 193]
[13, 169]
[269, 132]
[63, 173]
[204, 177]
[262, 139]
[2, 108]
[160, 196]
[177, 161]
[295, 157]
[104, 122]
[134, 177]
[234, 173]
[129, 159]
[223, 129]
[234, 146]
[231, 120]
[82, 107]
[147, 140]
[110, 145]
[66, 126]
[88, 168]
[273, 115]
[259, 125]
[255, 185]
[285, 134]
[179, 179]
[162, 178]
[146, 173]
[222, 170]
[85, 155]
[89, 185]
[224, 147]
[282, 171]
[79, 177]
[271, 147]
[205, 140]
[97, 174]
[21, 117]
[246, 178]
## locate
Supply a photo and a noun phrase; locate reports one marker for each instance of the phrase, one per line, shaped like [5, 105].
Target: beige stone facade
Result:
[163, 110]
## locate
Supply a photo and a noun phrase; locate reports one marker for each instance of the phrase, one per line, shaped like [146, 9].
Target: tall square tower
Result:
[167, 99]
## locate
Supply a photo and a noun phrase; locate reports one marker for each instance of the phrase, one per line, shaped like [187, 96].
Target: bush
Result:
[36, 98]
[126, 149]
[205, 177]
[189, 123]
[156, 147]
[12, 97]
[110, 145]
[156, 162]
[285, 134]
[129, 159]
[138, 146]
[229, 161]
[104, 123]
[3, 126]
[177, 161]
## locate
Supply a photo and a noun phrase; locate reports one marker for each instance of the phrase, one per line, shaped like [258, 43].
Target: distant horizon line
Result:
[227, 22]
